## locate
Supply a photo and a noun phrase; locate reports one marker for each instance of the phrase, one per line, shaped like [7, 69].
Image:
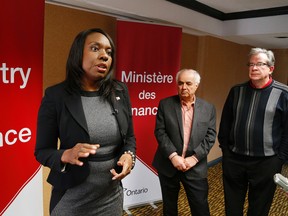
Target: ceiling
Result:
[262, 23]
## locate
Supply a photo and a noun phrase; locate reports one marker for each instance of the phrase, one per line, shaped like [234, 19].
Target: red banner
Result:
[148, 57]
[21, 66]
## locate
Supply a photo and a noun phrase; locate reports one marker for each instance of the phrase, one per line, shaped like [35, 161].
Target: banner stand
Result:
[21, 72]
[148, 57]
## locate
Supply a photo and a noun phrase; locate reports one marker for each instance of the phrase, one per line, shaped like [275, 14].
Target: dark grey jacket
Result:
[169, 135]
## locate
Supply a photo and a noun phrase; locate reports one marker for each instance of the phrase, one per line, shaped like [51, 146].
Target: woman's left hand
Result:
[125, 162]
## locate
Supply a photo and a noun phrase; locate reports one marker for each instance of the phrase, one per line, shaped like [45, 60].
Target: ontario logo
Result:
[135, 192]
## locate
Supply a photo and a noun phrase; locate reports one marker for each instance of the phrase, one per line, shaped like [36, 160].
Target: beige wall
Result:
[281, 65]
[220, 63]
[60, 28]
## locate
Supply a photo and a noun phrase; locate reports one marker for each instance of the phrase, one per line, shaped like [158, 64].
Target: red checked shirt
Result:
[187, 119]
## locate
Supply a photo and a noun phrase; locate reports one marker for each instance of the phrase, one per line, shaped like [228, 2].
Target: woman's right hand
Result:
[80, 150]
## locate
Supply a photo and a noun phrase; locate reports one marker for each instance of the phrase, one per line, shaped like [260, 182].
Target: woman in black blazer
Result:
[85, 131]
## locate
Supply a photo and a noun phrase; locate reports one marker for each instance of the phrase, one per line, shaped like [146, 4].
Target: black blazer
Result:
[169, 135]
[61, 118]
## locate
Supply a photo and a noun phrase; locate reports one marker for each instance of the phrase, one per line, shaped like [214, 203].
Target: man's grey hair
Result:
[268, 53]
[196, 75]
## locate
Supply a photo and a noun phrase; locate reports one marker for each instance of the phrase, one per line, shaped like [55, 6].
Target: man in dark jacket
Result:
[185, 131]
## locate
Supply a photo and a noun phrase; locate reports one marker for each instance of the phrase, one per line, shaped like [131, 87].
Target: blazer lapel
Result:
[115, 105]
[179, 118]
[118, 112]
[196, 116]
[74, 105]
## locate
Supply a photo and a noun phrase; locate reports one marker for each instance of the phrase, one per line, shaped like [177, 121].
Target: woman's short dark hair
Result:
[74, 70]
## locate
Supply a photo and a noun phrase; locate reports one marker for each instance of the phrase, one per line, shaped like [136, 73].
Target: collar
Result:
[267, 84]
[188, 104]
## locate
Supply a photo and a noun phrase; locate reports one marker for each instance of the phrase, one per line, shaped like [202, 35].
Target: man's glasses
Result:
[258, 64]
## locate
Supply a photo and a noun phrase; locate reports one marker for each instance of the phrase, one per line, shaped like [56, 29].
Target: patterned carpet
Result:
[216, 199]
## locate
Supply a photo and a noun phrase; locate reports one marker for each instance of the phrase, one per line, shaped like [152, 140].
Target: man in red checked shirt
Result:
[185, 131]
